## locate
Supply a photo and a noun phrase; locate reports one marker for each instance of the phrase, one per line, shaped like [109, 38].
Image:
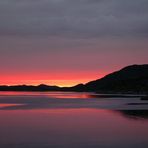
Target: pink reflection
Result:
[8, 105]
[65, 95]
[66, 127]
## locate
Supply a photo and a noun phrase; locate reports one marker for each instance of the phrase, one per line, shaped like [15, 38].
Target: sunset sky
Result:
[66, 42]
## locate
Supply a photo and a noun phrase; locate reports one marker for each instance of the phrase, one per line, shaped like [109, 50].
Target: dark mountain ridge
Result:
[130, 79]
[133, 78]
[40, 87]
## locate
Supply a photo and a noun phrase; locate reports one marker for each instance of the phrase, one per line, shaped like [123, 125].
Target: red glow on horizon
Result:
[64, 79]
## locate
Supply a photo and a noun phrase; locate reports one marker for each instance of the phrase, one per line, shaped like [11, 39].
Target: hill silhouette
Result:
[133, 78]
[130, 79]
[40, 87]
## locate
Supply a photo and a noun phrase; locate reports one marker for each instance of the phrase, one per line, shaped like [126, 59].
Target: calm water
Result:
[70, 120]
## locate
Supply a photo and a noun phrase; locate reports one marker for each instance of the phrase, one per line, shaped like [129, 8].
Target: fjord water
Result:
[70, 120]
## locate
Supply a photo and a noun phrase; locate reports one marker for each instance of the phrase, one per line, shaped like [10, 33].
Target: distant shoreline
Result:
[132, 79]
[103, 94]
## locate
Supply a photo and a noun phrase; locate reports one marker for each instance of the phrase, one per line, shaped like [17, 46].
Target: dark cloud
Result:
[79, 18]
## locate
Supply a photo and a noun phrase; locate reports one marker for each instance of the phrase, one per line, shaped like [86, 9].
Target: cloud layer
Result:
[79, 18]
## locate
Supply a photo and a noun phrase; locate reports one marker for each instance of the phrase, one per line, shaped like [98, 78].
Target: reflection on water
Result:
[51, 94]
[76, 128]
[8, 105]
[45, 120]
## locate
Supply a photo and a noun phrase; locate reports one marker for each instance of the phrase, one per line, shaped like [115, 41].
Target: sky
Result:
[66, 42]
